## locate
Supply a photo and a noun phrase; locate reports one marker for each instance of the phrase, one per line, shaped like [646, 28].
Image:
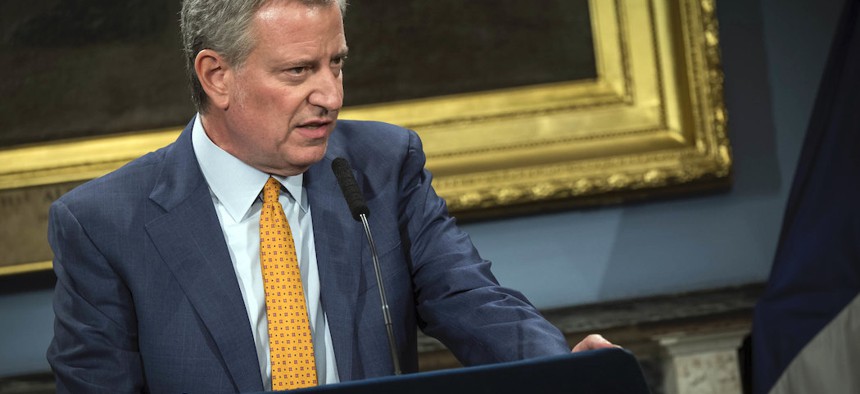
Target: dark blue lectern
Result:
[605, 371]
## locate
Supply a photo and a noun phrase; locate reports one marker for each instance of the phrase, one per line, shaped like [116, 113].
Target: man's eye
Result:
[296, 70]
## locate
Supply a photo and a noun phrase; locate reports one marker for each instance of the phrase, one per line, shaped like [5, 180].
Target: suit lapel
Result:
[189, 239]
[338, 243]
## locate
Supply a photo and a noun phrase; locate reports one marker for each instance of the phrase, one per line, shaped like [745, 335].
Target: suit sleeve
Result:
[94, 348]
[459, 301]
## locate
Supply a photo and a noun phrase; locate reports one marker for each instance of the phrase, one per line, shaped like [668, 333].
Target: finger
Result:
[591, 342]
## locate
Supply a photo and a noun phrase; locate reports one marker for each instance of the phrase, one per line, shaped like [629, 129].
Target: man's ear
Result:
[214, 74]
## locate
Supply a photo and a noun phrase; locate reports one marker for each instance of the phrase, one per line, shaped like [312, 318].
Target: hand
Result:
[592, 342]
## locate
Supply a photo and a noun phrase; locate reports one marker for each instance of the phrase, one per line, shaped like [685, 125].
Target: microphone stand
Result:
[358, 208]
[386, 315]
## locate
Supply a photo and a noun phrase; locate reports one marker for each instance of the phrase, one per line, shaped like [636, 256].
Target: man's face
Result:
[283, 101]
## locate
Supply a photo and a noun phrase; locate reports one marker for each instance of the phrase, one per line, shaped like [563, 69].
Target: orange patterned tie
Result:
[290, 344]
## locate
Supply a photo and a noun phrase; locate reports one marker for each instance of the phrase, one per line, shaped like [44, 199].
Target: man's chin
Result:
[306, 157]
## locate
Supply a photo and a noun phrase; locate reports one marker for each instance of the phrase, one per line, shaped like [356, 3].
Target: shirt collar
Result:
[233, 182]
[293, 184]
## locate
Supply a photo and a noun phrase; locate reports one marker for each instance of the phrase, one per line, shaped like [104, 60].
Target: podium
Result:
[604, 371]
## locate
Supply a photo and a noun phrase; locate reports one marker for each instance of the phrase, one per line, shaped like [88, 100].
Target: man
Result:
[160, 280]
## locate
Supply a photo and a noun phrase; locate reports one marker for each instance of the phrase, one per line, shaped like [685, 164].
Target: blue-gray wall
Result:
[773, 55]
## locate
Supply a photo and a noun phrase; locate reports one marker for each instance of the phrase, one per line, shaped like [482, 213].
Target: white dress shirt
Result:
[235, 188]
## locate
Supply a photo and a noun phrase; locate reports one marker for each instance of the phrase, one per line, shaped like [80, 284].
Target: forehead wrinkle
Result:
[269, 11]
[270, 19]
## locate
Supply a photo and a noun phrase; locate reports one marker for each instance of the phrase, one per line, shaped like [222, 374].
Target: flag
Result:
[806, 326]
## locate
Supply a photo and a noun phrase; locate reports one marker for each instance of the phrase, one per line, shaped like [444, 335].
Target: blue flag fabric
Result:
[816, 271]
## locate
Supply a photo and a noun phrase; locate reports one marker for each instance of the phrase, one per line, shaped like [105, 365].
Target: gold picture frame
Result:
[653, 122]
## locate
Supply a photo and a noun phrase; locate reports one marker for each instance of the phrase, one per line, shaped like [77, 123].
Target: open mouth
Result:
[313, 125]
[317, 128]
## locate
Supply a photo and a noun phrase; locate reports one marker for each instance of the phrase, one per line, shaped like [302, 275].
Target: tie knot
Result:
[271, 190]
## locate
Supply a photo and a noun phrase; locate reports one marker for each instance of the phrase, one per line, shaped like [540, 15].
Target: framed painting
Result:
[521, 108]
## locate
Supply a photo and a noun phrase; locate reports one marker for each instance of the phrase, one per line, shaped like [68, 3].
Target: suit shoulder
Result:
[371, 135]
[126, 182]
[361, 141]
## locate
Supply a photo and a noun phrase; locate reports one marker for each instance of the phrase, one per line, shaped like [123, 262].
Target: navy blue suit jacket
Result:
[147, 300]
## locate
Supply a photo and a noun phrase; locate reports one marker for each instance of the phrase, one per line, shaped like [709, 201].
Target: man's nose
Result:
[328, 91]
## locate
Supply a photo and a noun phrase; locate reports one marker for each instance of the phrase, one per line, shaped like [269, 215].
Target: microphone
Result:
[358, 207]
[351, 192]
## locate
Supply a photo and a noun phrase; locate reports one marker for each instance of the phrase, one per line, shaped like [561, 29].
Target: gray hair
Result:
[222, 26]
